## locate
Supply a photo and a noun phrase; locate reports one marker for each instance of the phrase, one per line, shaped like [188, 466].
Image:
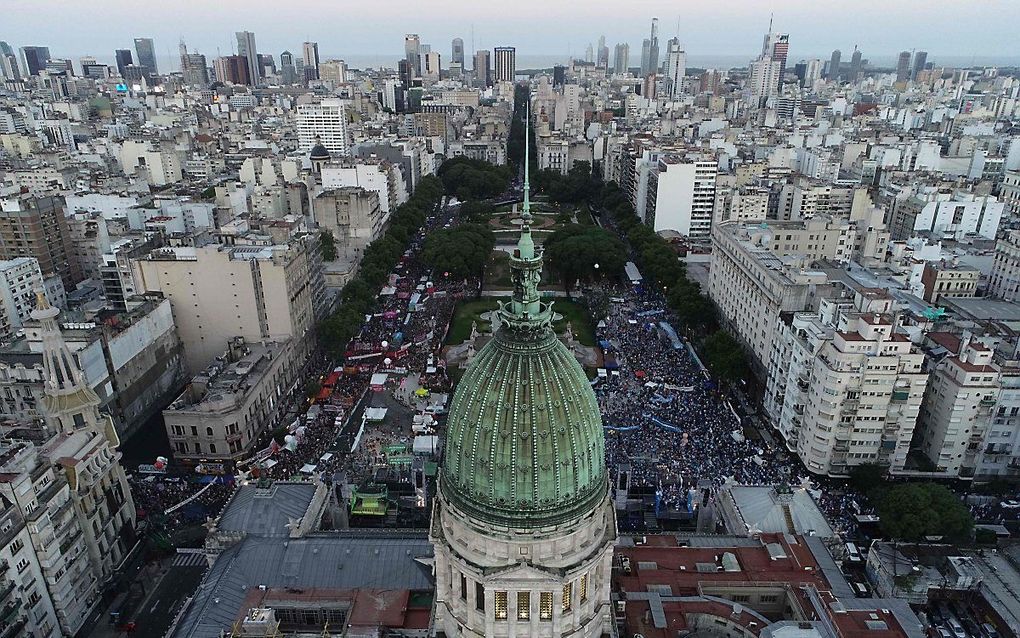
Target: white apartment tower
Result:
[324, 123]
[676, 69]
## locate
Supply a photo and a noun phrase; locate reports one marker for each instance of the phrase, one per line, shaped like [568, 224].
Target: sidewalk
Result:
[152, 576]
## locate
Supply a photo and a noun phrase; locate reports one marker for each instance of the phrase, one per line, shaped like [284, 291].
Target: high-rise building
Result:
[903, 67]
[246, 49]
[676, 68]
[602, 55]
[324, 123]
[497, 571]
[432, 66]
[559, 75]
[834, 61]
[855, 65]
[8, 63]
[589, 54]
[920, 60]
[457, 56]
[483, 68]
[232, 69]
[333, 71]
[34, 59]
[310, 51]
[820, 374]
[412, 53]
[650, 51]
[287, 72]
[193, 67]
[124, 60]
[505, 64]
[32, 226]
[146, 51]
[681, 196]
[777, 46]
[621, 58]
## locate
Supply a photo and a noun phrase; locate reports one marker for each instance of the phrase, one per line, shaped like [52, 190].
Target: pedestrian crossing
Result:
[189, 560]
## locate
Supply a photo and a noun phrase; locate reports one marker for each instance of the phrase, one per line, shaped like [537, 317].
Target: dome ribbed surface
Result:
[319, 152]
[524, 443]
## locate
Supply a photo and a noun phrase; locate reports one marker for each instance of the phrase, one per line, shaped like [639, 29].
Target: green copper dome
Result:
[524, 440]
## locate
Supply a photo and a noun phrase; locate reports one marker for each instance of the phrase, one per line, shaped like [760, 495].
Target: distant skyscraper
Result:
[855, 65]
[602, 55]
[457, 56]
[920, 59]
[621, 58]
[287, 71]
[589, 53]
[34, 59]
[412, 53]
[650, 51]
[8, 62]
[676, 68]
[232, 69]
[146, 52]
[505, 64]
[124, 60]
[483, 68]
[246, 49]
[834, 66]
[777, 46]
[193, 67]
[559, 75]
[903, 67]
[310, 55]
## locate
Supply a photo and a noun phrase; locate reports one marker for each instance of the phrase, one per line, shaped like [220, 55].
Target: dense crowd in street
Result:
[667, 420]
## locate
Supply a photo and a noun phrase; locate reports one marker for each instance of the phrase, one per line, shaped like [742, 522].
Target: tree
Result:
[461, 251]
[574, 250]
[913, 511]
[724, 356]
[694, 310]
[476, 211]
[867, 477]
[327, 245]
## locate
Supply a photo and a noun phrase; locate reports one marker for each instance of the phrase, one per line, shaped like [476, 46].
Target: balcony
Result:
[14, 630]
[987, 402]
[9, 611]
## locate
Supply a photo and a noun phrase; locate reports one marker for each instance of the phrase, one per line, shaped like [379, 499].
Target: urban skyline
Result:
[700, 29]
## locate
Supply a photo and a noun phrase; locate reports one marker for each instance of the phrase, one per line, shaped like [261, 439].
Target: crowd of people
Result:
[667, 421]
[405, 333]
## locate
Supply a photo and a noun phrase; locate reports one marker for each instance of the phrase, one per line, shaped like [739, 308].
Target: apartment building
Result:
[380, 176]
[863, 395]
[324, 123]
[226, 407]
[759, 271]
[257, 291]
[1004, 280]
[681, 195]
[19, 279]
[37, 227]
[958, 409]
[948, 279]
[352, 215]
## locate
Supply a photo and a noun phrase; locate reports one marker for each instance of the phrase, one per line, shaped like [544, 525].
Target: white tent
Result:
[375, 414]
[307, 468]
[327, 456]
[425, 444]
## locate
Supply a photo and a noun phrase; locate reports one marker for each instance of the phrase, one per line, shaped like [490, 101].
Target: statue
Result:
[474, 332]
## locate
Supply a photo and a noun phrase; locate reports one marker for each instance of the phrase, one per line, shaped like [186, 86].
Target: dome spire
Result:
[525, 311]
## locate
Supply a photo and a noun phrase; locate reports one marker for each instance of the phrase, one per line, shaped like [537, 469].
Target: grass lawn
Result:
[464, 314]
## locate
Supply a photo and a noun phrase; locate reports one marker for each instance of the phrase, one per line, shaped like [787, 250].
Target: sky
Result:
[969, 29]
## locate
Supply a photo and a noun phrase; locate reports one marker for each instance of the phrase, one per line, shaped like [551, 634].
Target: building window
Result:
[208, 431]
[523, 605]
[584, 587]
[479, 597]
[463, 587]
[545, 605]
[568, 592]
[500, 605]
